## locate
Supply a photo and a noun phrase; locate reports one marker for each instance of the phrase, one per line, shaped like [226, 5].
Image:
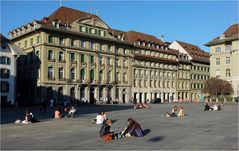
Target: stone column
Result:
[87, 94]
[162, 98]
[96, 94]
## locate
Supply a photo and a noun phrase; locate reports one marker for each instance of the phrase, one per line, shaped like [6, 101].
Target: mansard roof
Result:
[230, 33]
[195, 52]
[68, 15]
[134, 36]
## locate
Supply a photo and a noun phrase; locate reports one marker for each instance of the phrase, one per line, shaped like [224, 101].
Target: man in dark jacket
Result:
[133, 129]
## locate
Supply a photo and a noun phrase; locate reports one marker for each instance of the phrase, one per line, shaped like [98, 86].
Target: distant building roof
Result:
[230, 34]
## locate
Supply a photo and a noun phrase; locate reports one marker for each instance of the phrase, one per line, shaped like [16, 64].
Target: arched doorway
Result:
[49, 93]
[60, 95]
[92, 94]
[72, 95]
[123, 95]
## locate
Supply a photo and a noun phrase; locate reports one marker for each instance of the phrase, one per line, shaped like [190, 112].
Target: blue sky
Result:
[193, 22]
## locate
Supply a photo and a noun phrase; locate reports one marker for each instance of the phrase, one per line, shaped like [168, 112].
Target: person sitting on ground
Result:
[181, 112]
[207, 107]
[58, 113]
[105, 132]
[145, 105]
[98, 119]
[29, 118]
[174, 112]
[71, 112]
[133, 129]
[215, 107]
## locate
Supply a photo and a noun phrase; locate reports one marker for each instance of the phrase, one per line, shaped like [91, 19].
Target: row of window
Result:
[4, 86]
[93, 31]
[199, 77]
[218, 73]
[200, 68]
[155, 84]
[4, 73]
[88, 45]
[156, 54]
[153, 64]
[152, 73]
[5, 60]
[197, 86]
[30, 42]
[227, 48]
[227, 61]
[82, 74]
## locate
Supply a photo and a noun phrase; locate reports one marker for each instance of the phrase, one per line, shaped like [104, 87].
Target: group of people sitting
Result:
[215, 107]
[133, 129]
[28, 118]
[141, 106]
[176, 112]
[100, 118]
[69, 112]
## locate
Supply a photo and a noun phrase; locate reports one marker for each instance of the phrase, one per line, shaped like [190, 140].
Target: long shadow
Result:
[10, 115]
[156, 139]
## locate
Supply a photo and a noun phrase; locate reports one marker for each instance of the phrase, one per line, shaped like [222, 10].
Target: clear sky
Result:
[193, 22]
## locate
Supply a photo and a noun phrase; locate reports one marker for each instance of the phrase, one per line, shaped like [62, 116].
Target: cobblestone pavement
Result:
[199, 130]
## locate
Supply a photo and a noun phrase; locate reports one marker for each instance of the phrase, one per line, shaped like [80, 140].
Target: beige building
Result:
[73, 55]
[198, 70]
[224, 57]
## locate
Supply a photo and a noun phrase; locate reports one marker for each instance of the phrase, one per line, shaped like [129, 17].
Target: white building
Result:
[9, 54]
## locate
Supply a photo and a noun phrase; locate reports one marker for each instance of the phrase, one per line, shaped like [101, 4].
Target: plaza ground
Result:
[216, 130]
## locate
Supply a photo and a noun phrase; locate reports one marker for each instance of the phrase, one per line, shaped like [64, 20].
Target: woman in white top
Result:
[99, 118]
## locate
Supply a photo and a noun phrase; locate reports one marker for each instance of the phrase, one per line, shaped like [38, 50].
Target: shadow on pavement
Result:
[156, 139]
[10, 115]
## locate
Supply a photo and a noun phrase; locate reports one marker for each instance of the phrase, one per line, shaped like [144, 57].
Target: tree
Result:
[215, 87]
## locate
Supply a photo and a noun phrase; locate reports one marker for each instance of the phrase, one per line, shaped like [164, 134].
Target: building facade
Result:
[73, 55]
[224, 57]
[198, 71]
[8, 57]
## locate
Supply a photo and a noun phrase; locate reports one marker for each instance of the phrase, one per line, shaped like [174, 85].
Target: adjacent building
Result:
[198, 69]
[73, 55]
[8, 56]
[224, 57]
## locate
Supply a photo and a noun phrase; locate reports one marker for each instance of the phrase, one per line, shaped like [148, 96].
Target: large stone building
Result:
[224, 57]
[74, 55]
[198, 69]
[8, 57]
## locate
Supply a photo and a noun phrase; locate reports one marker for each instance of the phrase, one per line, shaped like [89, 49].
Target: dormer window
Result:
[139, 43]
[222, 36]
[157, 46]
[149, 44]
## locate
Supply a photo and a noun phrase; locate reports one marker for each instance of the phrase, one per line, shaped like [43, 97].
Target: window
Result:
[228, 48]
[31, 41]
[228, 60]
[124, 51]
[5, 60]
[82, 58]
[61, 56]
[50, 72]
[124, 63]
[218, 49]
[124, 77]
[38, 39]
[25, 43]
[100, 60]
[218, 74]
[50, 39]
[82, 44]
[50, 54]
[4, 86]
[91, 75]
[108, 61]
[91, 45]
[109, 48]
[61, 41]
[109, 76]
[61, 73]
[73, 73]
[73, 42]
[228, 74]
[72, 57]
[4, 73]
[82, 74]
[92, 59]
[217, 61]
[117, 62]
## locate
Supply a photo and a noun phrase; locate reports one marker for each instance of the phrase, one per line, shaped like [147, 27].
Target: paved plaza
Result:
[199, 130]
